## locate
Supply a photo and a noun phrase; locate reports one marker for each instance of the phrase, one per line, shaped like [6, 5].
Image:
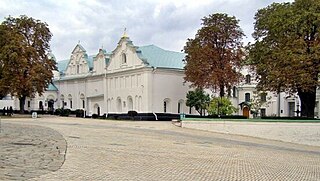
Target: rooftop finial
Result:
[125, 33]
[78, 41]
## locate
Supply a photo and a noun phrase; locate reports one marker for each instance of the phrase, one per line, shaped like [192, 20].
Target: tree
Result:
[286, 54]
[198, 99]
[221, 106]
[214, 56]
[25, 68]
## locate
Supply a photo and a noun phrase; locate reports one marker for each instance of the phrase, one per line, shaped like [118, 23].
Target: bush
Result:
[79, 113]
[95, 116]
[132, 114]
[62, 112]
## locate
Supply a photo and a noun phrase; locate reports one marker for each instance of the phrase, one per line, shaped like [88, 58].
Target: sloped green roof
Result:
[89, 60]
[62, 65]
[52, 87]
[157, 57]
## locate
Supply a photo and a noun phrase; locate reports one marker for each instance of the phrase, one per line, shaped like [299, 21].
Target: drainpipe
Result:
[155, 116]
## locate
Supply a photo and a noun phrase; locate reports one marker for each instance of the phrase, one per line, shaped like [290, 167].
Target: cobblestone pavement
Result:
[29, 151]
[124, 150]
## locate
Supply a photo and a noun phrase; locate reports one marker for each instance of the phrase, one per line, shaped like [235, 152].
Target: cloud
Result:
[97, 23]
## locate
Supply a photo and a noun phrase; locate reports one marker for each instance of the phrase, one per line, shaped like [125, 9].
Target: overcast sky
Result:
[100, 23]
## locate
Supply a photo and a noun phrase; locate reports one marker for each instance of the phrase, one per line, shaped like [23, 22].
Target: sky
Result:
[100, 23]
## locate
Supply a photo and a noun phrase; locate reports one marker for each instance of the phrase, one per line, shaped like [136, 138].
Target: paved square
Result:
[125, 150]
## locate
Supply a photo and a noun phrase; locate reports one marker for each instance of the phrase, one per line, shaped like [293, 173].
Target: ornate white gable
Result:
[78, 63]
[124, 57]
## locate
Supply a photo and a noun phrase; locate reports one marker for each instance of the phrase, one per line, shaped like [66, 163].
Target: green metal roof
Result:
[62, 65]
[52, 87]
[155, 56]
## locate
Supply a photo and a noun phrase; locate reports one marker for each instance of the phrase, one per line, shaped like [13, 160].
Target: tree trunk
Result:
[308, 102]
[22, 101]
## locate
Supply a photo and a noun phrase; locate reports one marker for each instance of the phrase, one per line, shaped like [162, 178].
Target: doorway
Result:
[246, 112]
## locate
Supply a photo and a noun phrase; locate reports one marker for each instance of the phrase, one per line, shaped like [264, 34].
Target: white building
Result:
[146, 79]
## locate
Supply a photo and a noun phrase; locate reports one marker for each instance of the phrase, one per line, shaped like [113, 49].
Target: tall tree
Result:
[25, 68]
[286, 54]
[215, 54]
[198, 99]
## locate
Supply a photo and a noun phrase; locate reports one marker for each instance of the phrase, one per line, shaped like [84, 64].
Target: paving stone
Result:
[128, 150]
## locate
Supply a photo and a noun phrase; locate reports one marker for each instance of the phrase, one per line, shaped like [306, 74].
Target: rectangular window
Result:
[164, 106]
[263, 112]
[70, 104]
[247, 97]
[29, 104]
[263, 97]
[179, 105]
[83, 104]
[234, 92]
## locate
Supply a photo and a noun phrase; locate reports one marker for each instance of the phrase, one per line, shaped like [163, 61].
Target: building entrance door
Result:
[245, 112]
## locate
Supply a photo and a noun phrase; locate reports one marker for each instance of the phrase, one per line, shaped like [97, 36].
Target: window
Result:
[263, 112]
[263, 97]
[78, 69]
[83, 104]
[234, 91]
[41, 105]
[248, 79]
[29, 103]
[70, 104]
[247, 97]
[179, 105]
[124, 58]
[164, 106]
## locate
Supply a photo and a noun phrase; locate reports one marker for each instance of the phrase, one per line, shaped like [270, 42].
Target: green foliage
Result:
[214, 56]
[62, 112]
[25, 66]
[198, 99]
[286, 54]
[221, 106]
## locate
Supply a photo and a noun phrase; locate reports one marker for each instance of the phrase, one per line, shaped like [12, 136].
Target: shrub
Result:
[79, 113]
[95, 116]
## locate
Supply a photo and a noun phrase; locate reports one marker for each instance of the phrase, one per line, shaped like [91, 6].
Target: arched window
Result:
[247, 97]
[248, 79]
[82, 97]
[70, 100]
[166, 105]
[124, 58]
[180, 106]
[78, 69]
[130, 103]
[119, 106]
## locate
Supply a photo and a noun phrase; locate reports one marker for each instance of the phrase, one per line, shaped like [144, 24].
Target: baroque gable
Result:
[78, 63]
[124, 57]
